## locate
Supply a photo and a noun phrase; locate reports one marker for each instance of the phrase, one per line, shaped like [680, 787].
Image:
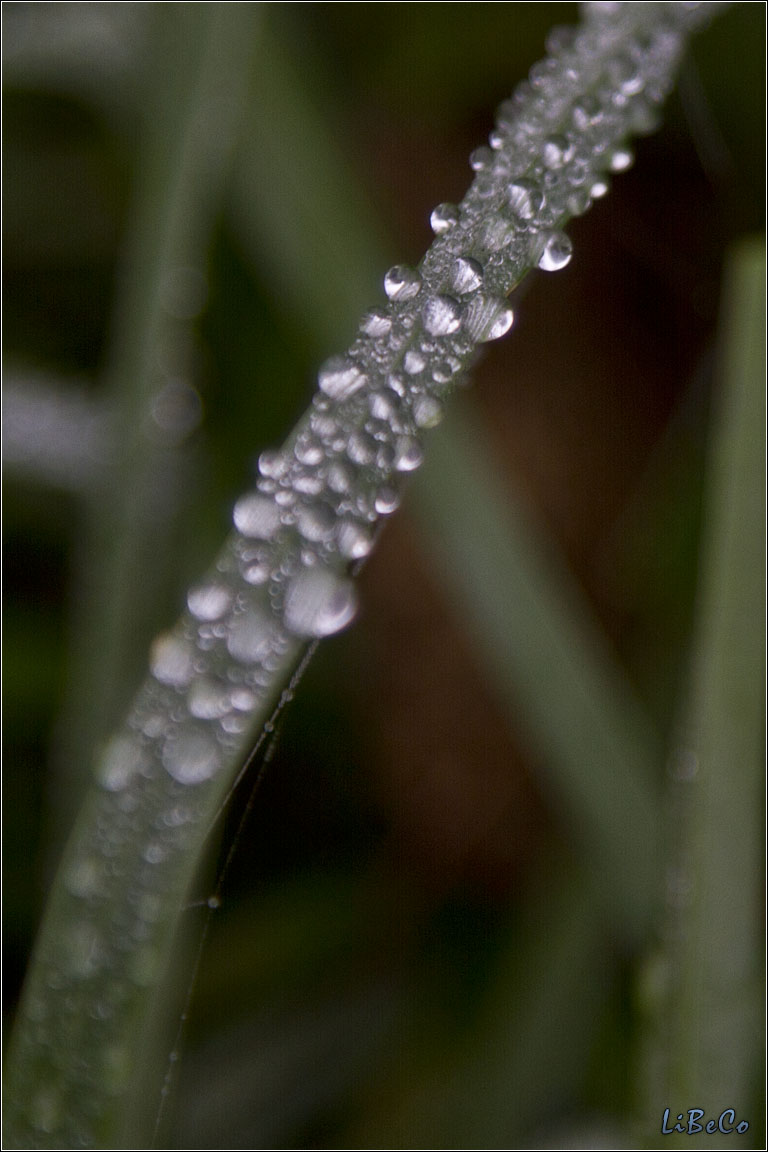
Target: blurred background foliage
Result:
[406, 954]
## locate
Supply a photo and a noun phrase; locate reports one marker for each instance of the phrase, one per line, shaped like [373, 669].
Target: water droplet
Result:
[319, 603]
[316, 522]
[251, 636]
[621, 159]
[190, 756]
[443, 218]
[353, 540]
[206, 700]
[525, 198]
[154, 853]
[414, 362]
[556, 152]
[441, 315]
[376, 322]
[427, 412]
[123, 759]
[273, 464]
[85, 878]
[467, 275]
[481, 158]
[171, 660]
[361, 448]
[339, 478]
[209, 601]
[213, 902]
[243, 700]
[488, 318]
[387, 500]
[599, 188]
[257, 572]
[557, 252]
[384, 405]
[497, 233]
[309, 485]
[307, 450]
[341, 377]
[408, 454]
[578, 201]
[402, 283]
[257, 516]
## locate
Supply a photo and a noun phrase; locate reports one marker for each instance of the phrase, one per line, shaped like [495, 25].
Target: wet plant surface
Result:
[284, 579]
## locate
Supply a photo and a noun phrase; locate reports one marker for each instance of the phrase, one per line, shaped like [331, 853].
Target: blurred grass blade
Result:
[300, 213]
[143, 498]
[715, 1002]
[547, 662]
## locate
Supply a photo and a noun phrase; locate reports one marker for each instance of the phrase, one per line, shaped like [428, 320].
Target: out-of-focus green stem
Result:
[714, 891]
[128, 572]
[549, 666]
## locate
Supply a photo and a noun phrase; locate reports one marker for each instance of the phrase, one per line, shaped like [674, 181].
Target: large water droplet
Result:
[488, 318]
[316, 522]
[319, 603]
[207, 700]
[376, 322]
[402, 283]
[250, 636]
[497, 233]
[384, 405]
[427, 412]
[272, 463]
[467, 275]
[257, 516]
[209, 601]
[123, 759]
[387, 500]
[85, 878]
[480, 158]
[408, 454]
[354, 541]
[171, 660]
[443, 218]
[361, 448]
[441, 315]
[525, 198]
[557, 252]
[340, 377]
[414, 362]
[191, 756]
[307, 449]
[621, 160]
[556, 152]
[339, 478]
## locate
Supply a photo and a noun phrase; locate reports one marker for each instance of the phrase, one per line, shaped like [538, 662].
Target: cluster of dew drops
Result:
[318, 502]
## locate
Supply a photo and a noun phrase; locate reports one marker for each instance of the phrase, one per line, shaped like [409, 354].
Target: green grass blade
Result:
[141, 505]
[715, 1006]
[547, 663]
